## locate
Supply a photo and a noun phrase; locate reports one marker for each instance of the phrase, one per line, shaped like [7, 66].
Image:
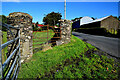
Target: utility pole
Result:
[65, 10]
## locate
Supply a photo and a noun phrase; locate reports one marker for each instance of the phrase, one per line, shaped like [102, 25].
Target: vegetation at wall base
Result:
[70, 60]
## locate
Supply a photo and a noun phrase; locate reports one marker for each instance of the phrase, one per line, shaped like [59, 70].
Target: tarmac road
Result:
[106, 44]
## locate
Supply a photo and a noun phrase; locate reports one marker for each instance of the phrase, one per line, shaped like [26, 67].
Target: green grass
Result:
[87, 68]
[69, 61]
[42, 36]
[4, 51]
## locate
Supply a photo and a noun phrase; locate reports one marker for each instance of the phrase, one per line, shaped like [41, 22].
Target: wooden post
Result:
[60, 32]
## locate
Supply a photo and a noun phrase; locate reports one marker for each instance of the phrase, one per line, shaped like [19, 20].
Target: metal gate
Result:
[10, 67]
[46, 34]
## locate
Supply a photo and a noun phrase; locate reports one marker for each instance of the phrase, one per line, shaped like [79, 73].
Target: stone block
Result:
[59, 42]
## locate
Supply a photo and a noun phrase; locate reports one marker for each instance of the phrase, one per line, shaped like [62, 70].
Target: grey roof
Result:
[85, 19]
[92, 21]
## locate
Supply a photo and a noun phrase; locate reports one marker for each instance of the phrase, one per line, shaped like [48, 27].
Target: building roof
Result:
[85, 19]
[33, 23]
[40, 25]
[92, 21]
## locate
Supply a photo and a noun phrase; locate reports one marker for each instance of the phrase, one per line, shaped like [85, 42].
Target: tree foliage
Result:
[52, 18]
[93, 18]
[3, 18]
[36, 24]
[76, 19]
[117, 17]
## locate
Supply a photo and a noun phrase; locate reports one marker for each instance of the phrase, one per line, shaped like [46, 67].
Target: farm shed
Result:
[109, 23]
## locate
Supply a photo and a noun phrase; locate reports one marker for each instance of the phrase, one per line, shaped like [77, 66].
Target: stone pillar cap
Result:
[20, 14]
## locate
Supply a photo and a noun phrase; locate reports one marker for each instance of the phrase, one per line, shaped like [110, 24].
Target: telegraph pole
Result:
[65, 10]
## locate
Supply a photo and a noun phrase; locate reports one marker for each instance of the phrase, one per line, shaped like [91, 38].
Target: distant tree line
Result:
[117, 17]
[35, 26]
[3, 19]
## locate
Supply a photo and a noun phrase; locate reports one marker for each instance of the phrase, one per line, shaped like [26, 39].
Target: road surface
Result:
[106, 44]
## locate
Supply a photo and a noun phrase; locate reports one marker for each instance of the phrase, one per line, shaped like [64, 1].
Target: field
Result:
[70, 60]
[41, 37]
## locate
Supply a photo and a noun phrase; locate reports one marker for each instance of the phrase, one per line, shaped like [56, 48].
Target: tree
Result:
[93, 18]
[52, 18]
[36, 24]
[116, 17]
[76, 19]
[3, 18]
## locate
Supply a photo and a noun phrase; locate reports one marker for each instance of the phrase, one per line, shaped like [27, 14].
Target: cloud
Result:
[10, 0]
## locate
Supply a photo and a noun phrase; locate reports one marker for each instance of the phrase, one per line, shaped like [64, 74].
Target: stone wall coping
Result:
[20, 14]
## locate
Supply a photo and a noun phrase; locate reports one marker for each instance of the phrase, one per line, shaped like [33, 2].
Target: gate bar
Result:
[15, 72]
[9, 42]
[9, 73]
[8, 26]
[15, 53]
[9, 58]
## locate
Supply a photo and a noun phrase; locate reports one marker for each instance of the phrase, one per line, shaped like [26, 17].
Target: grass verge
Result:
[69, 61]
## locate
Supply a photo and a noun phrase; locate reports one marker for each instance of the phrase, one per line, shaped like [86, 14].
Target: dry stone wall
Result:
[24, 21]
[65, 32]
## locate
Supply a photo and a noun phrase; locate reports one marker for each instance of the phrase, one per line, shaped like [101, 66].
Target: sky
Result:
[60, 0]
[74, 9]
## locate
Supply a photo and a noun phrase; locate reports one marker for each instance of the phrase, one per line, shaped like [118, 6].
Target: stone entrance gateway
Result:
[24, 21]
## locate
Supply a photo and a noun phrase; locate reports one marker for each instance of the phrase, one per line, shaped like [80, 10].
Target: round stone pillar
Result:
[66, 29]
[24, 21]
